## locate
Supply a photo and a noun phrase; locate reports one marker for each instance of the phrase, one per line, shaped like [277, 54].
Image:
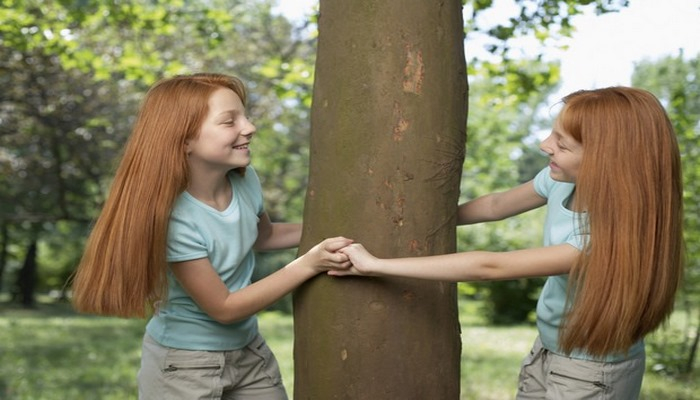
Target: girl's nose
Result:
[545, 145]
[250, 130]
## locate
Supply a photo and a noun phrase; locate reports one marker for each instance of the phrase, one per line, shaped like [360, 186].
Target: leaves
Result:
[75, 72]
[547, 21]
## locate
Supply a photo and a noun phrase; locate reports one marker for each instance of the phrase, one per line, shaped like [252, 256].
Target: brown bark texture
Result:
[388, 133]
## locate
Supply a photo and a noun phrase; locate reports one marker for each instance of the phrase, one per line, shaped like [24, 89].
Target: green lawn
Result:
[50, 353]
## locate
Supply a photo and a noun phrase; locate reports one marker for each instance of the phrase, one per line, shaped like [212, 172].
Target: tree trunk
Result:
[4, 235]
[387, 147]
[693, 350]
[26, 279]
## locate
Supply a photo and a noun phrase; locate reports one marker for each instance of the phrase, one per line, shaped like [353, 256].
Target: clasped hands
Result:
[343, 257]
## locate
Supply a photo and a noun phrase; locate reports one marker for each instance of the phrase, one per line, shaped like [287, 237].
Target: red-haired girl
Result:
[613, 245]
[176, 238]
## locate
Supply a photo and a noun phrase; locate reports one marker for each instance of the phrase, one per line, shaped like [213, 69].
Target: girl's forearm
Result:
[265, 292]
[480, 265]
[471, 266]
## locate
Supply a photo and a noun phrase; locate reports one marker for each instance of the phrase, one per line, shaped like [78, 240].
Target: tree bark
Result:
[388, 132]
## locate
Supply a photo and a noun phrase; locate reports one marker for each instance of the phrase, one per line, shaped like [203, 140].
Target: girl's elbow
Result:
[263, 242]
[488, 272]
[259, 244]
[482, 276]
[258, 248]
[264, 246]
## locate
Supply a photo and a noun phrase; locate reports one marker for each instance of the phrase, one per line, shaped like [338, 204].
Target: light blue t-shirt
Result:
[562, 226]
[196, 231]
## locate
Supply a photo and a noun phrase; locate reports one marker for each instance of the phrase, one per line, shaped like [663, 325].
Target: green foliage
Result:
[75, 73]
[58, 255]
[513, 301]
[500, 156]
[545, 20]
[667, 351]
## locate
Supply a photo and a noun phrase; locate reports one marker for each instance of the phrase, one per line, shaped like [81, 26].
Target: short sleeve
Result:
[185, 242]
[253, 190]
[580, 236]
[578, 240]
[543, 182]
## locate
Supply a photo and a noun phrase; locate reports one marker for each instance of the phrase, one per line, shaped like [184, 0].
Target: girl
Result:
[176, 237]
[613, 245]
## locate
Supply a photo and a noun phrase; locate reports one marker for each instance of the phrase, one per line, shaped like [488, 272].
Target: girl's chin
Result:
[559, 177]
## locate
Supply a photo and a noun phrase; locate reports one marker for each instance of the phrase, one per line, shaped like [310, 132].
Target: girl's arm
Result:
[205, 286]
[496, 206]
[466, 266]
[276, 236]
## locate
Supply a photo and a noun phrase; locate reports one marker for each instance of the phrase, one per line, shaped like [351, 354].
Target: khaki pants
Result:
[545, 375]
[171, 374]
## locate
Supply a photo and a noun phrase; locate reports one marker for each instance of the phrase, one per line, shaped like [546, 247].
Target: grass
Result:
[52, 354]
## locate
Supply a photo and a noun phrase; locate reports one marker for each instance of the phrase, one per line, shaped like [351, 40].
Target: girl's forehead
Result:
[225, 98]
[559, 132]
[558, 126]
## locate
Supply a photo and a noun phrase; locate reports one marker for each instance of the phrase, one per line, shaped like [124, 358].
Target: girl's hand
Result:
[363, 263]
[325, 256]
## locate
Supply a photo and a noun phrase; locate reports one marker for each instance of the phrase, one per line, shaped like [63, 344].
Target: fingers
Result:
[343, 272]
[339, 259]
[336, 243]
[352, 248]
[337, 255]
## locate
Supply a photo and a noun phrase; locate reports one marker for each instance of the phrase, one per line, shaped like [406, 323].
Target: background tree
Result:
[49, 113]
[75, 72]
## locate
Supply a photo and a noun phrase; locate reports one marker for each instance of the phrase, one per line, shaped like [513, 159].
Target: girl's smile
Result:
[223, 142]
[564, 152]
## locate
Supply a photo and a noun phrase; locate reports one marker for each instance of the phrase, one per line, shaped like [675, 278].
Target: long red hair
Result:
[123, 268]
[630, 184]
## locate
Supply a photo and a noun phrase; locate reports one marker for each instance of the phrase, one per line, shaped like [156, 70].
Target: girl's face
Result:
[564, 152]
[223, 139]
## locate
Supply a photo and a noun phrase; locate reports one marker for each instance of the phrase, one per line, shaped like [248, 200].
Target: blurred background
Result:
[72, 74]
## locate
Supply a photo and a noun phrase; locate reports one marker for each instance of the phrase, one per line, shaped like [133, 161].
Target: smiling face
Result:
[222, 143]
[565, 154]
